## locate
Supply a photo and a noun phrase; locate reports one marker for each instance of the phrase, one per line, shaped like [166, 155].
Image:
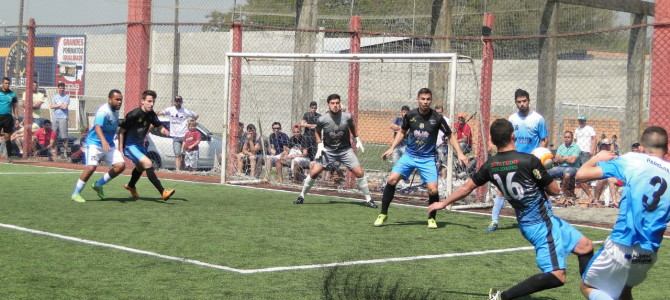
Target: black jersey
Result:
[421, 132]
[310, 118]
[335, 130]
[137, 124]
[522, 179]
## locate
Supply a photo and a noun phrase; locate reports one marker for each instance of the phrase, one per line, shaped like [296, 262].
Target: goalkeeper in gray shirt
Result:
[333, 138]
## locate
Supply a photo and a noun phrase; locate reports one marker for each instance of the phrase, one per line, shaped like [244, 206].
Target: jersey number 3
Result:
[661, 185]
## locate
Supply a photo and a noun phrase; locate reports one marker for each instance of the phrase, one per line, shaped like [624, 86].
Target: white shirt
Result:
[178, 120]
[440, 134]
[583, 137]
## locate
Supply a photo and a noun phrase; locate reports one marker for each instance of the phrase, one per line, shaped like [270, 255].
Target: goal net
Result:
[271, 97]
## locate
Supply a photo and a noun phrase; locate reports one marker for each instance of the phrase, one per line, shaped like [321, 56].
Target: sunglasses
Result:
[276, 128]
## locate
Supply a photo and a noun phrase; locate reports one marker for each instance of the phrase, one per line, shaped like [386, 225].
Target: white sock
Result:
[599, 295]
[307, 184]
[106, 178]
[498, 203]
[78, 187]
[363, 187]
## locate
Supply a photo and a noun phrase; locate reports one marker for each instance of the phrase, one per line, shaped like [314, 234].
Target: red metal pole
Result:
[137, 52]
[354, 79]
[485, 94]
[659, 102]
[235, 95]
[28, 104]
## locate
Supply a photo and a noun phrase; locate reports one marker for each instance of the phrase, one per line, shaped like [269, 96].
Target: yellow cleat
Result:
[432, 224]
[381, 218]
[78, 198]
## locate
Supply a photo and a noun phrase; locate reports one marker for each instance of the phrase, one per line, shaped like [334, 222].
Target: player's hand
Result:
[319, 150]
[105, 146]
[463, 159]
[388, 153]
[437, 206]
[359, 144]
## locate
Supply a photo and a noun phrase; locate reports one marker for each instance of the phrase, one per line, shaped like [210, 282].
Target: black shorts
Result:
[7, 124]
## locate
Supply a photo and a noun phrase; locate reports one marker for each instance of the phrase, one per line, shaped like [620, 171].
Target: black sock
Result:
[134, 177]
[433, 198]
[387, 197]
[535, 283]
[584, 261]
[8, 144]
[154, 180]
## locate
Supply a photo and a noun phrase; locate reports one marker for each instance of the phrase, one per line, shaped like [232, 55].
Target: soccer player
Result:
[421, 126]
[644, 210]
[524, 181]
[530, 132]
[333, 138]
[132, 132]
[100, 145]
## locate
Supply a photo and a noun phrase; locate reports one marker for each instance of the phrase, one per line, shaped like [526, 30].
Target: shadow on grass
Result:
[440, 224]
[125, 200]
[349, 283]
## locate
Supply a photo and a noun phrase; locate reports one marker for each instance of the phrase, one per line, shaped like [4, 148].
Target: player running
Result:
[524, 182]
[421, 126]
[644, 210]
[333, 138]
[100, 145]
[132, 132]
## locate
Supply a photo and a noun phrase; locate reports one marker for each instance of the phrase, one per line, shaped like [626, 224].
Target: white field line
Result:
[36, 173]
[263, 270]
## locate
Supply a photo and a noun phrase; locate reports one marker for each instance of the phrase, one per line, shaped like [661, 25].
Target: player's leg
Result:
[428, 173]
[350, 160]
[114, 158]
[314, 171]
[607, 273]
[92, 155]
[176, 148]
[402, 169]
[498, 203]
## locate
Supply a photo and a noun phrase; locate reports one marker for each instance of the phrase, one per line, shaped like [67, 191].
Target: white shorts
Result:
[302, 162]
[615, 266]
[191, 158]
[94, 155]
[274, 158]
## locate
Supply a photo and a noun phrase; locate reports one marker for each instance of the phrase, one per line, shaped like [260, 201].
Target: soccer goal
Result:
[271, 93]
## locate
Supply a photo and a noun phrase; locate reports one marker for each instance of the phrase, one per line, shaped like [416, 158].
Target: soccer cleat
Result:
[370, 204]
[495, 294]
[167, 193]
[381, 218]
[133, 191]
[432, 224]
[78, 198]
[99, 191]
[492, 227]
[299, 200]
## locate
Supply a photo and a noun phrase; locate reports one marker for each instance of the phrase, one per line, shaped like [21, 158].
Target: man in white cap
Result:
[585, 138]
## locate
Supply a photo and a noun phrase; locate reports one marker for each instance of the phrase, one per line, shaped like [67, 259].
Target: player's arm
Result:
[458, 194]
[590, 170]
[15, 108]
[553, 188]
[354, 131]
[453, 140]
[398, 138]
[542, 131]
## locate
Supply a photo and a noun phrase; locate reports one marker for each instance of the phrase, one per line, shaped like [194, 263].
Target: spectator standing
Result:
[585, 137]
[615, 145]
[395, 127]
[279, 148]
[179, 116]
[191, 149]
[442, 148]
[308, 122]
[59, 104]
[38, 101]
[45, 141]
[567, 160]
[8, 112]
[635, 147]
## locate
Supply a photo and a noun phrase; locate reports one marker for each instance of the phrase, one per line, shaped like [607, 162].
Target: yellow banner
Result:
[39, 52]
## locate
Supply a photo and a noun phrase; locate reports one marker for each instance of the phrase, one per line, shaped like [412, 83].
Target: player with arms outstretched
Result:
[333, 138]
[524, 182]
[644, 212]
[133, 131]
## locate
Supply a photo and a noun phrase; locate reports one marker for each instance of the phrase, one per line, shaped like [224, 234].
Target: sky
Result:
[58, 12]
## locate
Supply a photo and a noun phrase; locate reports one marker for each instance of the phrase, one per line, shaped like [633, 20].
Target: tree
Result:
[217, 21]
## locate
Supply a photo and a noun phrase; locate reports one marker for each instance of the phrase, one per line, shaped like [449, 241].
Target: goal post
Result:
[259, 91]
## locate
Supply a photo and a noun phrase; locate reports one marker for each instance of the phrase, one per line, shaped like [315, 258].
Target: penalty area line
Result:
[262, 270]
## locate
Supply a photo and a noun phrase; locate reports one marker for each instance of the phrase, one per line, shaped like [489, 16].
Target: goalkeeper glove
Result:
[359, 144]
[319, 150]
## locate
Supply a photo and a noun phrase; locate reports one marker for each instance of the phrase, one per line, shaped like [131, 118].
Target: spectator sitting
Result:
[567, 160]
[279, 146]
[606, 145]
[79, 153]
[463, 133]
[45, 141]
[298, 154]
[17, 136]
[395, 127]
[190, 148]
[251, 152]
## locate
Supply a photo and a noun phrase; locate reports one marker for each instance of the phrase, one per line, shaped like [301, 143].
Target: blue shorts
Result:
[551, 251]
[426, 167]
[135, 152]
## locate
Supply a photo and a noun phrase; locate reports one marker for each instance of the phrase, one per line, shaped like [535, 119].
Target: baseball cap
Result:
[581, 118]
[606, 141]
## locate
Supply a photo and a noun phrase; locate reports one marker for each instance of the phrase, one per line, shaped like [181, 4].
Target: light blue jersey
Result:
[528, 130]
[108, 120]
[645, 202]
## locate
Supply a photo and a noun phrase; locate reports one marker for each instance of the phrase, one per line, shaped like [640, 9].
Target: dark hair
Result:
[655, 137]
[501, 132]
[276, 123]
[405, 107]
[251, 126]
[333, 97]
[178, 98]
[149, 93]
[61, 84]
[46, 122]
[424, 91]
[6, 78]
[635, 145]
[521, 93]
[313, 103]
[112, 92]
